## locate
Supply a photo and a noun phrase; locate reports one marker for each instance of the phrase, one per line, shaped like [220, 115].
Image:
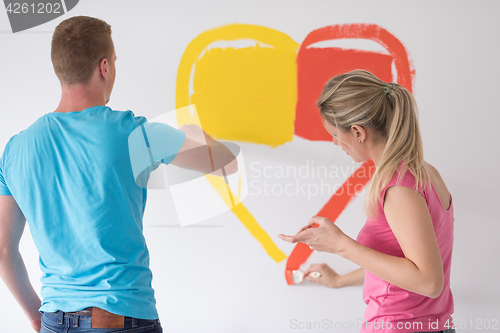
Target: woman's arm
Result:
[420, 271]
[354, 278]
[331, 279]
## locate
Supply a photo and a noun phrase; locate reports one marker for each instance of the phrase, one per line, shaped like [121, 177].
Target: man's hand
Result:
[37, 323]
[196, 133]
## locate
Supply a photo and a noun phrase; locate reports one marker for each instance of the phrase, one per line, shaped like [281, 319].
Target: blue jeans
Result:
[60, 322]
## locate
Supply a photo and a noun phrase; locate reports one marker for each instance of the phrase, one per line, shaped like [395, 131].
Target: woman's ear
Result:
[358, 132]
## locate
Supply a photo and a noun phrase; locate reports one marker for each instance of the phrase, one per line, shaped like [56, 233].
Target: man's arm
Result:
[12, 268]
[194, 154]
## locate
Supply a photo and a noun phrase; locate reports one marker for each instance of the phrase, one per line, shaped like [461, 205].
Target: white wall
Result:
[215, 277]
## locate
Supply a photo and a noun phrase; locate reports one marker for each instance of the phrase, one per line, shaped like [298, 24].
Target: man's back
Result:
[71, 175]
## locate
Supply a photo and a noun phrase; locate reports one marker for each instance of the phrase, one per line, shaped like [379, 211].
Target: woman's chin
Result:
[357, 159]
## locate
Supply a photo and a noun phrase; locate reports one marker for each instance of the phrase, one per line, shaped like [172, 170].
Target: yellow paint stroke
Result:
[187, 115]
[248, 220]
[243, 94]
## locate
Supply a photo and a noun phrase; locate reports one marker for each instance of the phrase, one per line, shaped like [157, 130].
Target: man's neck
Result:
[79, 98]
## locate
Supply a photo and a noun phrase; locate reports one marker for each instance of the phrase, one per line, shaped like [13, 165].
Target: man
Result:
[70, 176]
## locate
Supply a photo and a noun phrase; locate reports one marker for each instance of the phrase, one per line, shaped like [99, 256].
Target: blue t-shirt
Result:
[72, 177]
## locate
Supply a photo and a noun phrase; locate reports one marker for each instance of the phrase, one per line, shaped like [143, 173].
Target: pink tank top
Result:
[393, 309]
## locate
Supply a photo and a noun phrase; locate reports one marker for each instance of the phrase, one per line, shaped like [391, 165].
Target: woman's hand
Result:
[320, 234]
[328, 278]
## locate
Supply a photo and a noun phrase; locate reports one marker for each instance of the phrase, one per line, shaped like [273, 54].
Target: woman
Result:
[404, 249]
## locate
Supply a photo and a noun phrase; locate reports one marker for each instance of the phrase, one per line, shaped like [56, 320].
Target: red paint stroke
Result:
[332, 209]
[317, 65]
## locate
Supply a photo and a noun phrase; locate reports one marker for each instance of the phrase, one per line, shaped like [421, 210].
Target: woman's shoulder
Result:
[402, 178]
[405, 178]
[439, 186]
[408, 178]
[435, 177]
[431, 169]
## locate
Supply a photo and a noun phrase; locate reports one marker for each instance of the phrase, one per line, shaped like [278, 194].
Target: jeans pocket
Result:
[45, 329]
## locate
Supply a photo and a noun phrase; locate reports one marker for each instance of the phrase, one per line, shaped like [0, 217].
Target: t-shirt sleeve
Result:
[164, 141]
[4, 189]
[151, 144]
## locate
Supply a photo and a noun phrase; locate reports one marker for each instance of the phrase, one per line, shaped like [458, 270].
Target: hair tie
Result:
[388, 88]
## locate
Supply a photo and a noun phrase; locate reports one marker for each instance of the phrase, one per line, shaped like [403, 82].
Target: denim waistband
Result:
[72, 319]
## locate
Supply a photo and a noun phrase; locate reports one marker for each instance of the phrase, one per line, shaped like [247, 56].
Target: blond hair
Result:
[78, 46]
[360, 98]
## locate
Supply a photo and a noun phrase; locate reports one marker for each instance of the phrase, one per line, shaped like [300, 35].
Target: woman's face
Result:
[345, 140]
